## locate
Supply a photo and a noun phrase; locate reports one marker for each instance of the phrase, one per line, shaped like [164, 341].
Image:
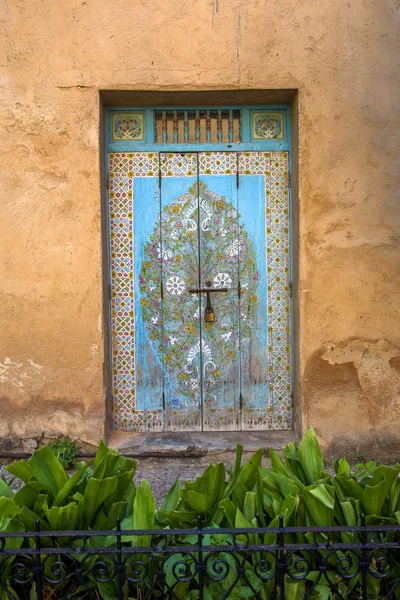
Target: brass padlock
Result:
[209, 315]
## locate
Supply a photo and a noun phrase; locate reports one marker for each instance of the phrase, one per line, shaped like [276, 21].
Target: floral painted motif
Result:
[268, 126]
[128, 126]
[179, 344]
[222, 280]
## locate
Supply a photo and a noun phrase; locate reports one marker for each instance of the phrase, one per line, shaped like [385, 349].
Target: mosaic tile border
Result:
[123, 168]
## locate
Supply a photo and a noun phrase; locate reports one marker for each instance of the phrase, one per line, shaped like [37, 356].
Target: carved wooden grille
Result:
[197, 126]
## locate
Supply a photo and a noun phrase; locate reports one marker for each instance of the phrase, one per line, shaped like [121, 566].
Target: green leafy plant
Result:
[296, 487]
[66, 451]
[365, 469]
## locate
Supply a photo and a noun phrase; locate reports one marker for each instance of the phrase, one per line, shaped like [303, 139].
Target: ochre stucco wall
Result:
[341, 56]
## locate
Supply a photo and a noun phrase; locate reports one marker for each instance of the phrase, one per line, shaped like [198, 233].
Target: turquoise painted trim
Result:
[246, 145]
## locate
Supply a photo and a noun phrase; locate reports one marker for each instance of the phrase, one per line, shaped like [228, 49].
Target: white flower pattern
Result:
[175, 285]
[233, 248]
[222, 280]
[164, 253]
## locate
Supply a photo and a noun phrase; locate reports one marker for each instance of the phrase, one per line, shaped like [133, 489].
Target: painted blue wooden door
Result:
[208, 218]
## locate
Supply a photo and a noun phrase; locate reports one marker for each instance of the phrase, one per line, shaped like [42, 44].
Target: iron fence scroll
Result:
[202, 563]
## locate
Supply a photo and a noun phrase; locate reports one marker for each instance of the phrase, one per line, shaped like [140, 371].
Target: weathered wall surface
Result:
[341, 56]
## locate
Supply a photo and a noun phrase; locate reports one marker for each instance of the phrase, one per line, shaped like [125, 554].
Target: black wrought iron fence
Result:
[203, 564]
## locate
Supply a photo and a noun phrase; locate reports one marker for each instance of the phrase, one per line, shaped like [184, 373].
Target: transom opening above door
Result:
[251, 128]
[199, 254]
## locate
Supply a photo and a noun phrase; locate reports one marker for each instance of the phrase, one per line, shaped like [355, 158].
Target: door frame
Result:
[147, 144]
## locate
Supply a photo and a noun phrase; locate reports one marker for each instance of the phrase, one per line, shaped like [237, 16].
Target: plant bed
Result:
[292, 530]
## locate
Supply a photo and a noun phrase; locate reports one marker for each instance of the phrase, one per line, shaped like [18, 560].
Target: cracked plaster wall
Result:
[341, 56]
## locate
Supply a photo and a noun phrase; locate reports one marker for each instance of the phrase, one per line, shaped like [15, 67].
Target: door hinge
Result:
[107, 181]
[162, 291]
[291, 290]
[163, 399]
[239, 290]
[159, 175]
[109, 291]
[289, 180]
[240, 400]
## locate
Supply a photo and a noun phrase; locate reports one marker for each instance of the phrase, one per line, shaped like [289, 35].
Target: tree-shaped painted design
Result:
[197, 227]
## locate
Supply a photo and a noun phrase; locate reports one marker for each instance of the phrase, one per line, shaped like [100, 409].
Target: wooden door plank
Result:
[179, 255]
[219, 252]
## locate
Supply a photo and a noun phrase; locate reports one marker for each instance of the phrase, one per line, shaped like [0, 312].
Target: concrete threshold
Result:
[197, 444]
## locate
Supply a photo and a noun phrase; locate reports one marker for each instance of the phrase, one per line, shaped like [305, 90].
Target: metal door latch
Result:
[209, 316]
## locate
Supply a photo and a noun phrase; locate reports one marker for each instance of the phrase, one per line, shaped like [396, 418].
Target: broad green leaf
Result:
[211, 483]
[28, 494]
[229, 510]
[11, 525]
[47, 469]
[107, 590]
[238, 458]
[351, 487]
[249, 506]
[248, 474]
[394, 497]
[311, 456]
[238, 494]
[117, 511]
[96, 493]
[105, 467]
[143, 513]
[373, 498]
[270, 484]
[284, 483]
[66, 517]
[124, 481]
[41, 501]
[171, 500]
[288, 508]
[291, 454]
[260, 499]
[70, 484]
[5, 490]
[294, 590]
[350, 516]
[375, 494]
[21, 469]
[125, 464]
[342, 467]
[178, 518]
[102, 450]
[29, 518]
[201, 503]
[241, 523]
[8, 508]
[320, 503]
[278, 466]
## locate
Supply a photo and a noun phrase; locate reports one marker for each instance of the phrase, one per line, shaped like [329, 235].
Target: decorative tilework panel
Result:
[217, 163]
[268, 125]
[127, 126]
[178, 165]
